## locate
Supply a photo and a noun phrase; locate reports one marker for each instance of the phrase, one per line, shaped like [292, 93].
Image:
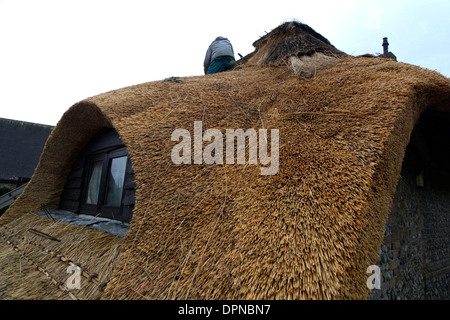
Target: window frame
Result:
[100, 209]
[106, 140]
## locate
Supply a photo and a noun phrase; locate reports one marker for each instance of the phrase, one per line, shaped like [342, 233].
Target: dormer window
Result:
[103, 186]
[101, 182]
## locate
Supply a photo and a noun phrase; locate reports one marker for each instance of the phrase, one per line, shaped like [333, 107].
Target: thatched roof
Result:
[225, 231]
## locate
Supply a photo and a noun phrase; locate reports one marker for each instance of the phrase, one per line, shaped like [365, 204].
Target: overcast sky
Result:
[54, 53]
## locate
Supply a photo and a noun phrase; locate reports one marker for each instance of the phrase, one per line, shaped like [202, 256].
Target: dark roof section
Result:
[21, 145]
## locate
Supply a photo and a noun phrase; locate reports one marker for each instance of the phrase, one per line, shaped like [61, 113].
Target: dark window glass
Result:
[116, 175]
[95, 179]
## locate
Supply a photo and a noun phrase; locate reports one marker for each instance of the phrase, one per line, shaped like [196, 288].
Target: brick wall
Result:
[435, 210]
[415, 254]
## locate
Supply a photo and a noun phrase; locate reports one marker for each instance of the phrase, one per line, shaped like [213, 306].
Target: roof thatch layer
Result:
[225, 231]
[39, 255]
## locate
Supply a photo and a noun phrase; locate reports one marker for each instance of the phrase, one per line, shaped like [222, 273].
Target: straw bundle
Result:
[225, 231]
[308, 66]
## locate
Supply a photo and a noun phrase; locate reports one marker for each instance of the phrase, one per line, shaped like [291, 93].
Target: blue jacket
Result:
[218, 48]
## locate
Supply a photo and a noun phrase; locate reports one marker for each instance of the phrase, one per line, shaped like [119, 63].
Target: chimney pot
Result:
[385, 45]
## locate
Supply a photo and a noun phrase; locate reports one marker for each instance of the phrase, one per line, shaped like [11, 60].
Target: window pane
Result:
[115, 182]
[94, 182]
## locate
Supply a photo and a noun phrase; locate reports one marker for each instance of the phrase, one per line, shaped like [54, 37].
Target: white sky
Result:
[54, 53]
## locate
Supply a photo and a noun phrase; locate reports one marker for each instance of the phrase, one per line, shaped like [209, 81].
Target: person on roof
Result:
[219, 56]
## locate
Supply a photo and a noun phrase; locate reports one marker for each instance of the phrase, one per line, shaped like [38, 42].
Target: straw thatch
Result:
[36, 253]
[297, 45]
[225, 231]
[291, 39]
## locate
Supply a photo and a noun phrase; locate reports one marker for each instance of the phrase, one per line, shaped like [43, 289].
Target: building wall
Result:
[435, 210]
[415, 254]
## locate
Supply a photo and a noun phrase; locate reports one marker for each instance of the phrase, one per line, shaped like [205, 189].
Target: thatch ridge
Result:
[290, 39]
[225, 231]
